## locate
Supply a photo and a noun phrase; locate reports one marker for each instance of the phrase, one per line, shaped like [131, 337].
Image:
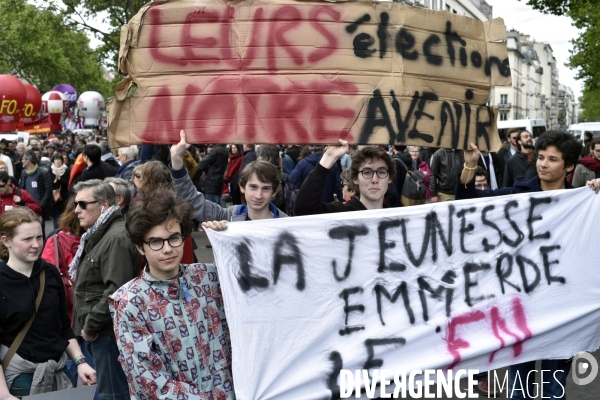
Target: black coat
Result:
[249, 156]
[96, 171]
[294, 153]
[215, 165]
[399, 158]
[63, 184]
[515, 170]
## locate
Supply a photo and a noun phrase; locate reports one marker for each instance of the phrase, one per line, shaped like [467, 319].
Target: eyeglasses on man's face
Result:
[157, 244]
[368, 173]
[481, 186]
[3, 185]
[83, 204]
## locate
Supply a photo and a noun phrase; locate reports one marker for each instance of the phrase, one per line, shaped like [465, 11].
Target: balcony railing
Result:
[504, 105]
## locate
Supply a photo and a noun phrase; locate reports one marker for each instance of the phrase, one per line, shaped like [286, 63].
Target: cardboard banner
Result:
[472, 284]
[264, 71]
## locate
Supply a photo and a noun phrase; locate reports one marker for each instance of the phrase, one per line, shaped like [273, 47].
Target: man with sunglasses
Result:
[105, 260]
[372, 170]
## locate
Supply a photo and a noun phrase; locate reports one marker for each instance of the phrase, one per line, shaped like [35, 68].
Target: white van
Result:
[577, 130]
[534, 126]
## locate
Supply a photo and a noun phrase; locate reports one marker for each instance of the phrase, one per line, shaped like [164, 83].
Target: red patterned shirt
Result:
[173, 336]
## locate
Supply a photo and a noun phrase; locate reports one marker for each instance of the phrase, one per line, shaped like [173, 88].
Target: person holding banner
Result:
[372, 170]
[259, 182]
[556, 154]
[170, 322]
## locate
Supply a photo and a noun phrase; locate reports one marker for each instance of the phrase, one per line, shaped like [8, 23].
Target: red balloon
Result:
[12, 99]
[32, 104]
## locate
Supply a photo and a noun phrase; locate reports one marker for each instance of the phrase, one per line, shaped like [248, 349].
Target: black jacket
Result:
[249, 156]
[110, 166]
[445, 165]
[96, 171]
[63, 184]
[399, 158]
[50, 332]
[44, 184]
[515, 170]
[504, 154]
[294, 153]
[215, 164]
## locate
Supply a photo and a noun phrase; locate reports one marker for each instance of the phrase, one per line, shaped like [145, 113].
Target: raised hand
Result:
[177, 151]
[472, 156]
[334, 153]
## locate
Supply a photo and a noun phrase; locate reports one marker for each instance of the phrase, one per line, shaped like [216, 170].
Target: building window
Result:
[503, 116]
[447, 8]
[503, 99]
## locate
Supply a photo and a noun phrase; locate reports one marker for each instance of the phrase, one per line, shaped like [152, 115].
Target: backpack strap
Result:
[402, 162]
[19, 339]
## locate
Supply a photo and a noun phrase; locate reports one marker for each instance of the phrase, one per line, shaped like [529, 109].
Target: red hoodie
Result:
[7, 200]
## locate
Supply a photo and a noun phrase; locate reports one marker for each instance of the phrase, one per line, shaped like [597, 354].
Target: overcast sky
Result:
[557, 31]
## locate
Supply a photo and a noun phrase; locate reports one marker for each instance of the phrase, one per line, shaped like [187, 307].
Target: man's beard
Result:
[527, 146]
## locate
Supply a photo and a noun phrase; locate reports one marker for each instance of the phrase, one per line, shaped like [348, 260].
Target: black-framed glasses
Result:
[367, 173]
[481, 186]
[3, 185]
[83, 204]
[158, 243]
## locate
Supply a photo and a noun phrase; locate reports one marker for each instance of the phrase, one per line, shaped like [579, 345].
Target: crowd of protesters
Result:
[122, 242]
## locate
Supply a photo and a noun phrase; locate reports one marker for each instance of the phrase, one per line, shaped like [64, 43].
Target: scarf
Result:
[123, 166]
[33, 171]
[590, 162]
[60, 171]
[99, 222]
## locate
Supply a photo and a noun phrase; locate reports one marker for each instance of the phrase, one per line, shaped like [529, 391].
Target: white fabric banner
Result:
[472, 284]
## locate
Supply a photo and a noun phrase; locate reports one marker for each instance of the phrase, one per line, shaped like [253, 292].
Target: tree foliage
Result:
[590, 103]
[112, 14]
[556, 7]
[38, 47]
[585, 55]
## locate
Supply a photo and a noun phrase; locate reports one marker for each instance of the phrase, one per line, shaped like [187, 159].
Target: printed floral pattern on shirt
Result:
[173, 336]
